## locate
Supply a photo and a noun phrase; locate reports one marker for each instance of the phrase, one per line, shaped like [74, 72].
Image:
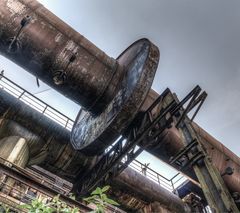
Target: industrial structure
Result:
[44, 153]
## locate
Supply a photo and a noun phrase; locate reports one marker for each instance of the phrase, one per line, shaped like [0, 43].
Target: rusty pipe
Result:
[131, 181]
[112, 91]
[44, 45]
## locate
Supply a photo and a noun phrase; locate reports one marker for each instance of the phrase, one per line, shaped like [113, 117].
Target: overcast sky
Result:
[198, 41]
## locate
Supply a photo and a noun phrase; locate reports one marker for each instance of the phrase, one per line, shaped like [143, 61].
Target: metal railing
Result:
[169, 184]
[12, 88]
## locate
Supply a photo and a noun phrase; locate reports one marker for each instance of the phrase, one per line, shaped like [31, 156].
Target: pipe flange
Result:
[93, 134]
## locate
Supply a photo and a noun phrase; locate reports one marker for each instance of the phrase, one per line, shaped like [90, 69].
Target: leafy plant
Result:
[37, 206]
[100, 199]
[55, 206]
[4, 208]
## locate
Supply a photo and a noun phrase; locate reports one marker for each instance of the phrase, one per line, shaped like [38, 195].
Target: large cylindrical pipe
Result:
[53, 153]
[14, 109]
[111, 90]
[131, 181]
[48, 48]
[15, 150]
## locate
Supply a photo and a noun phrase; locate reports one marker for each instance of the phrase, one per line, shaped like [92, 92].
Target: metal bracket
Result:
[14, 43]
[188, 156]
[60, 76]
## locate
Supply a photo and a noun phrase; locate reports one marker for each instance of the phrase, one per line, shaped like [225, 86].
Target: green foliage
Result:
[55, 206]
[100, 199]
[4, 208]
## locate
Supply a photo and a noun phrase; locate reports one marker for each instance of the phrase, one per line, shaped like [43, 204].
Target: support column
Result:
[13, 149]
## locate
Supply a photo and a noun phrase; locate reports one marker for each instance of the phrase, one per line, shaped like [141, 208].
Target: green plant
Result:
[54, 206]
[4, 208]
[37, 206]
[100, 199]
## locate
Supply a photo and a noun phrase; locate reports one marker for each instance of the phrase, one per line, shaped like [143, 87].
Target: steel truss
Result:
[145, 130]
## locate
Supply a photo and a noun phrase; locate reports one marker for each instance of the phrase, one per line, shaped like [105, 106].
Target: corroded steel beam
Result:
[111, 90]
[171, 142]
[222, 158]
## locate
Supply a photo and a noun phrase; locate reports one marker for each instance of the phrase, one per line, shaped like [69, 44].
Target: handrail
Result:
[4, 77]
[34, 102]
[67, 123]
[169, 184]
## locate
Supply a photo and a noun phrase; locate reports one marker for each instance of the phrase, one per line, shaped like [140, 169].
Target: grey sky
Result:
[198, 40]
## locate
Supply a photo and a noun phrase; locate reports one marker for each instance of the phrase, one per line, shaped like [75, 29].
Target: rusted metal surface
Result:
[222, 158]
[24, 180]
[110, 90]
[61, 159]
[95, 134]
[123, 152]
[44, 45]
[193, 157]
[172, 142]
[53, 155]
[140, 187]
[41, 187]
[47, 139]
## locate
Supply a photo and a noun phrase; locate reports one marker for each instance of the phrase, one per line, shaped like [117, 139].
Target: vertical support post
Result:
[212, 184]
[214, 189]
[15, 150]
